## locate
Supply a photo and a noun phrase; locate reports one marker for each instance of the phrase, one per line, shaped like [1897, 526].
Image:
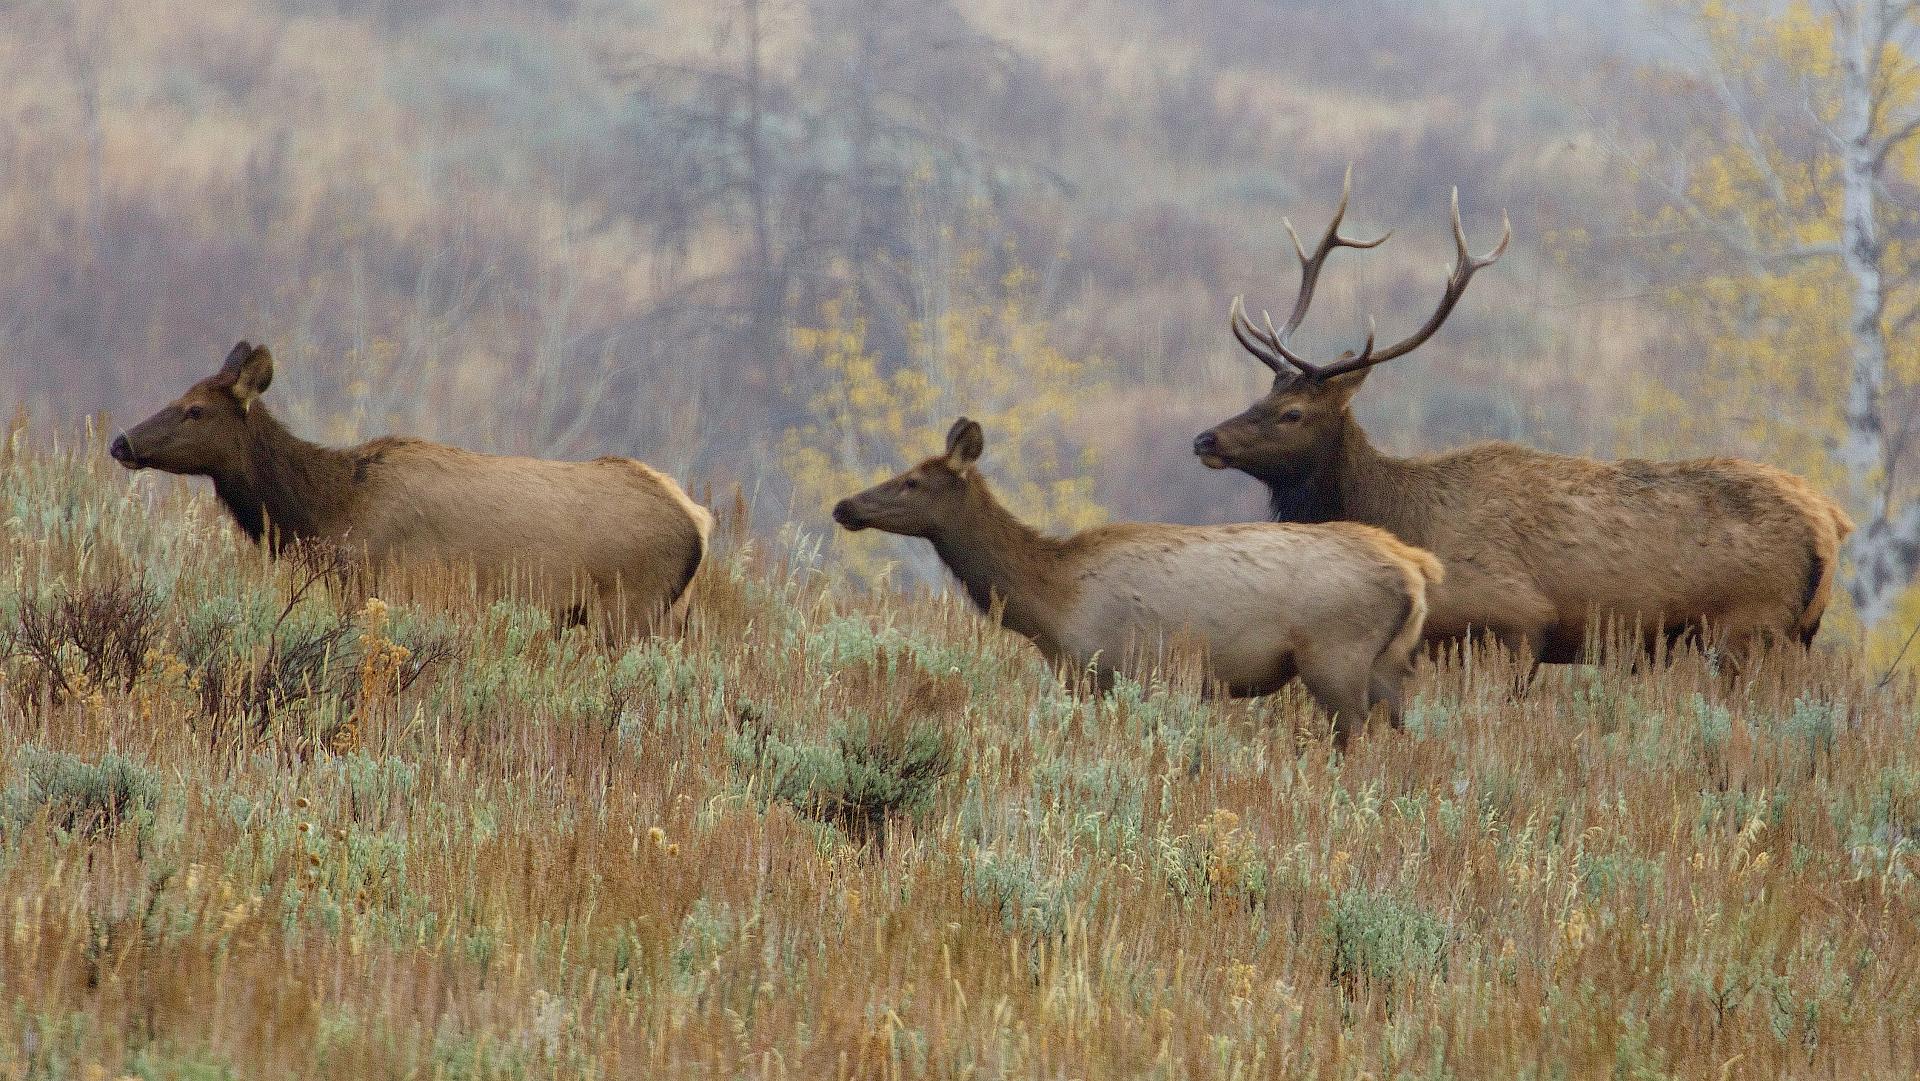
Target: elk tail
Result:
[702, 520]
[1842, 525]
[1423, 571]
[1822, 554]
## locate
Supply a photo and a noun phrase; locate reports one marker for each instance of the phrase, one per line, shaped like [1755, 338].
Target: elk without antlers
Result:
[1271, 346]
[610, 539]
[1340, 606]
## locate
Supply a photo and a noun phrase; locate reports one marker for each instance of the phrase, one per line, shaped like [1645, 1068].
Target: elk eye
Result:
[193, 412]
[1291, 416]
[911, 483]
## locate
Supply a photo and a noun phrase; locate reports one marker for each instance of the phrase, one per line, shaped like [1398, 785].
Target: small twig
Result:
[1894, 665]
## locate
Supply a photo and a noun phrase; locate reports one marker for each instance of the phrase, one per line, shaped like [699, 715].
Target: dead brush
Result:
[86, 639]
[297, 661]
[306, 664]
[874, 836]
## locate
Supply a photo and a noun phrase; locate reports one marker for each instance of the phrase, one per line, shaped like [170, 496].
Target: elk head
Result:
[924, 500]
[204, 432]
[1287, 437]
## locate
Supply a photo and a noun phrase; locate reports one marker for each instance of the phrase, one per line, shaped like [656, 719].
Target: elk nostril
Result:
[121, 450]
[1205, 443]
[842, 511]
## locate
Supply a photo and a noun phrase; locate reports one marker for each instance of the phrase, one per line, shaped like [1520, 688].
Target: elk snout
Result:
[847, 517]
[1207, 446]
[122, 452]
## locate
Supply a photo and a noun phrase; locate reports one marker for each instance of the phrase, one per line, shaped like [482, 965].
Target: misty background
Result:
[578, 227]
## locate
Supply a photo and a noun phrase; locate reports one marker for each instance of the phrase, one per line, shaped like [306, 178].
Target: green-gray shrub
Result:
[1380, 939]
[1027, 901]
[80, 798]
[864, 774]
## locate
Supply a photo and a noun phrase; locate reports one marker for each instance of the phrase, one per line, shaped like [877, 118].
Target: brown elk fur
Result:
[1538, 546]
[1340, 606]
[611, 531]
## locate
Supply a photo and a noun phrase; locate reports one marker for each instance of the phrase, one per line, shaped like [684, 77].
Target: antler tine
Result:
[1366, 350]
[1463, 256]
[1333, 237]
[1466, 258]
[1250, 339]
[1310, 265]
[1298, 250]
[1462, 272]
[1360, 359]
[1274, 339]
[1270, 347]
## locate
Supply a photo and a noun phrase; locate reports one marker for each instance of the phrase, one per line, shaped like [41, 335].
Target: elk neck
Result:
[1317, 495]
[995, 554]
[292, 487]
[1358, 483]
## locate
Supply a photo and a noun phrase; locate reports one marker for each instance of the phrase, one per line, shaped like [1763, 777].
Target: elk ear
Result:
[1341, 388]
[251, 376]
[235, 357]
[965, 441]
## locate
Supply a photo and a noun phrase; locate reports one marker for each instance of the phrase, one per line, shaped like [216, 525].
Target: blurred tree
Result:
[726, 143]
[792, 150]
[1793, 190]
[975, 347]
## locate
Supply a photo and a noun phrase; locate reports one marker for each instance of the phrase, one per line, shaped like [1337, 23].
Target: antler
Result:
[1465, 266]
[1270, 348]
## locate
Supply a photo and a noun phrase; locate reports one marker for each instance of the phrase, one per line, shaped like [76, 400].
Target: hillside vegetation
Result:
[259, 823]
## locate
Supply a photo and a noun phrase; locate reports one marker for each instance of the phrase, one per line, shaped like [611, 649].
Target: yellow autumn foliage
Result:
[1771, 377]
[986, 355]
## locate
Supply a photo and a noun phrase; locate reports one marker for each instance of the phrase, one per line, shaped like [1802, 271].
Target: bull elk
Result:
[1340, 606]
[627, 537]
[1538, 547]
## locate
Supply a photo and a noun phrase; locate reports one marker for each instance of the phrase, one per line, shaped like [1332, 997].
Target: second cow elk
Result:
[619, 537]
[1340, 606]
[1539, 548]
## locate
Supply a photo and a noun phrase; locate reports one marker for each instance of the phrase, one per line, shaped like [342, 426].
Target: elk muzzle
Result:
[122, 452]
[1207, 446]
[847, 517]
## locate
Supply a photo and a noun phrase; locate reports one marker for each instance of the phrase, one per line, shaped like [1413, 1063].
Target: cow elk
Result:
[1539, 548]
[623, 539]
[1340, 606]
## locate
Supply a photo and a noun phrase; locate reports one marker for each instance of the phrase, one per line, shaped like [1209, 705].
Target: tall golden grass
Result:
[823, 834]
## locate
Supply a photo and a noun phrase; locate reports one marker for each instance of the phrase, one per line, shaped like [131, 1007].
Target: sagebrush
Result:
[826, 833]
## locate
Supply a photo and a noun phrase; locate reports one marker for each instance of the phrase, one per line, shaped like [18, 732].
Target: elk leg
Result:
[1386, 682]
[1526, 644]
[1743, 638]
[1388, 677]
[1385, 692]
[1340, 688]
[644, 613]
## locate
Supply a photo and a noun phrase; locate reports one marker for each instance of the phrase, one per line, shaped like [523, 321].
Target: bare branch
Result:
[1891, 141]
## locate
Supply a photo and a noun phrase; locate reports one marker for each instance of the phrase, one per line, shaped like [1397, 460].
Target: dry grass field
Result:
[256, 823]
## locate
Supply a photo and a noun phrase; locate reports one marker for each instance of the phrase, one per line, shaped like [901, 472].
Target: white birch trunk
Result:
[1884, 550]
